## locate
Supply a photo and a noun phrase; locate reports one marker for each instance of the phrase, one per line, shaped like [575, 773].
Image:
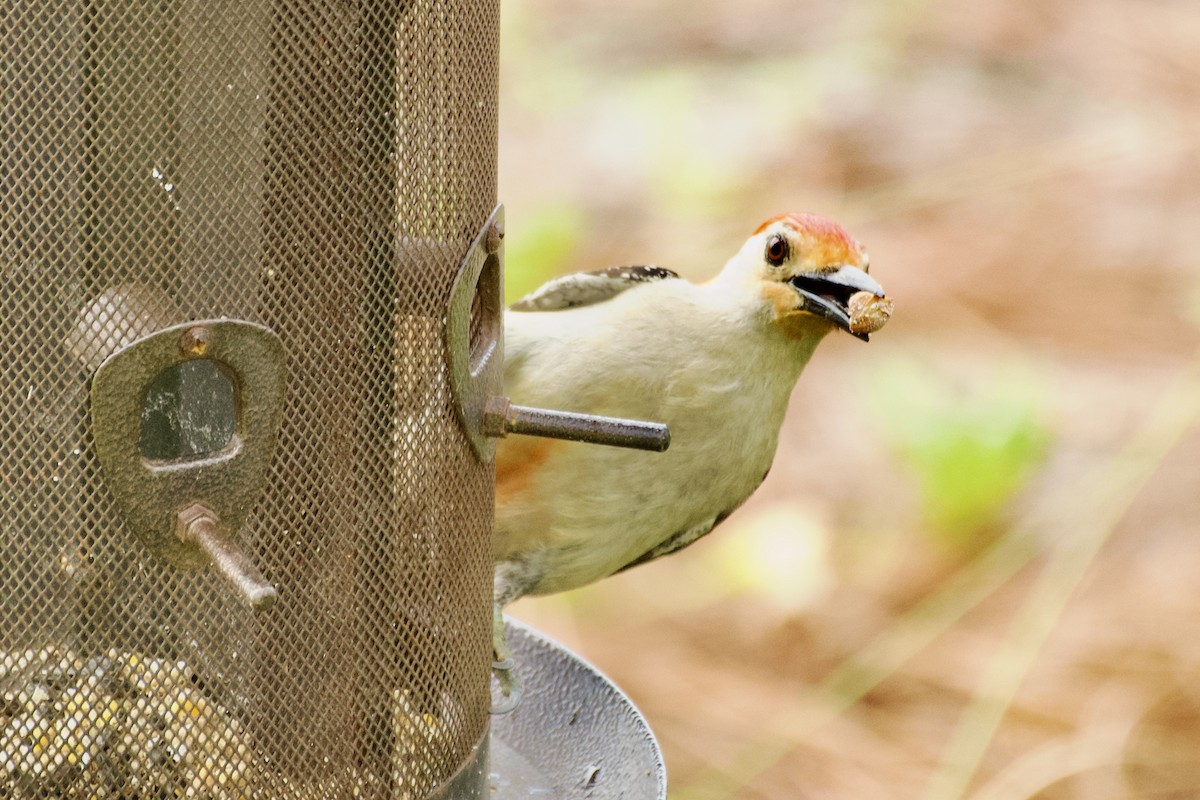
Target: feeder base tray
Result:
[575, 734]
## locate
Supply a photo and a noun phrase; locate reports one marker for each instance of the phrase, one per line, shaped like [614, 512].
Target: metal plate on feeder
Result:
[575, 734]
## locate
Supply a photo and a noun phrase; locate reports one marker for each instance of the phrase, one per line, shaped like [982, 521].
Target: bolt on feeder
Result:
[250, 265]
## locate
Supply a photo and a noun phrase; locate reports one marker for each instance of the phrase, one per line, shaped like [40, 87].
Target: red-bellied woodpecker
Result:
[715, 361]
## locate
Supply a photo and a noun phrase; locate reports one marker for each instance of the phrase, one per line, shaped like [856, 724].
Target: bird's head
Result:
[803, 268]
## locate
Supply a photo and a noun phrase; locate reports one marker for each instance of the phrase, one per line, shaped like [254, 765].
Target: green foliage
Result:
[539, 247]
[969, 441]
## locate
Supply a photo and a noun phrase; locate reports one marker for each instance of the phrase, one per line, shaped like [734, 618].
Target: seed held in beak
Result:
[868, 312]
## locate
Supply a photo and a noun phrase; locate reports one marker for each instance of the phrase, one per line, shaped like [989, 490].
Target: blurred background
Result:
[973, 571]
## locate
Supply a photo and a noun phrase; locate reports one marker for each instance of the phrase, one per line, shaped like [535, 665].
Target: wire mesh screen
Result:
[319, 168]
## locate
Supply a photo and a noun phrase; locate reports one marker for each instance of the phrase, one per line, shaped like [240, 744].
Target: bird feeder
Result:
[250, 263]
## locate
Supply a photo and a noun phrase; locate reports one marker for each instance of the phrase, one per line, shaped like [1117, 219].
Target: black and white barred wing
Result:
[587, 288]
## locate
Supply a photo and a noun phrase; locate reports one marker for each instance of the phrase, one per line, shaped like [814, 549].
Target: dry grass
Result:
[1025, 175]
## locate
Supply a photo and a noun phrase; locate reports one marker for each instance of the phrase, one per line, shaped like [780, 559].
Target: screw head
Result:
[194, 342]
[495, 235]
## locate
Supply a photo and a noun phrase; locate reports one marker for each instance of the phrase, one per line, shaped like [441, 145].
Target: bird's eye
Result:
[777, 249]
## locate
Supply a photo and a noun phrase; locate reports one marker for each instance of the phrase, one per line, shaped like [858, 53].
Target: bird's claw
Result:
[503, 667]
[510, 686]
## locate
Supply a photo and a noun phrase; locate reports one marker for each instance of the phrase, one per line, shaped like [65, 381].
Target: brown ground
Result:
[1026, 176]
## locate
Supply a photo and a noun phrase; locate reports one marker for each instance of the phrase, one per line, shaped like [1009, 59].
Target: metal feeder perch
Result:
[250, 270]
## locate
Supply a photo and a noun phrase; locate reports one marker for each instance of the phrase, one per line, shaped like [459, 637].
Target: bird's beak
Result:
[827, 294]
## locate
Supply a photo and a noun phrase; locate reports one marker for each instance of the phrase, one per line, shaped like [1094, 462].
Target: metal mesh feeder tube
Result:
[310, 174]
[250, 264]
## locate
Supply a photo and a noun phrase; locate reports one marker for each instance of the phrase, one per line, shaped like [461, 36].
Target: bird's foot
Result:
[504, 667]
[510, 686]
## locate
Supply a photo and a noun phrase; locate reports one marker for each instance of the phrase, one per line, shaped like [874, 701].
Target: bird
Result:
[716, 361]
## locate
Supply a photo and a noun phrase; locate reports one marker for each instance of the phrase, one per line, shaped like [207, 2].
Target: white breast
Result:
[668, 352]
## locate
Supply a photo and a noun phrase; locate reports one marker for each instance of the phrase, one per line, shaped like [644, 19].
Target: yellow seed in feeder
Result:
[38, 694]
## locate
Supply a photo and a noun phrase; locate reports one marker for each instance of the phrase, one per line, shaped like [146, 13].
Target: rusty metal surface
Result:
[575, 736]
[474, 344]
[152, 491]
[320, 169]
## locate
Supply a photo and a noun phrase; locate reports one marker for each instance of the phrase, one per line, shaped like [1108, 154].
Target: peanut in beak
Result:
[868, 312]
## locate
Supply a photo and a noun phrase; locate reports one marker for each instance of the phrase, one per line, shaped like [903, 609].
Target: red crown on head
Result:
[828, 242]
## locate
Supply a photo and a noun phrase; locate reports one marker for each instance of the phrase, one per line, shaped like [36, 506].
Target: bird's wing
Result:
[678, 541]
[586, 288]
[688, 535]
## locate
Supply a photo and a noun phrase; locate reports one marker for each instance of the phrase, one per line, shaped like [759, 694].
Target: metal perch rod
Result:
[502, 417]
